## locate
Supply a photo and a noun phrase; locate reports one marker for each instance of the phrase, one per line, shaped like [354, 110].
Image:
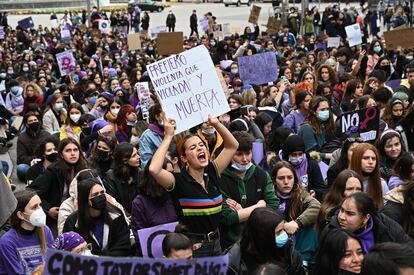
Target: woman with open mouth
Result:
[195, 191]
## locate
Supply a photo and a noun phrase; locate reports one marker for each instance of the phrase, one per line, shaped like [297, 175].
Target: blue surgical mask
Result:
[59, 106]
[208, 132]
[281, 239]
[240, 167]
[377, 49]
[296, 161]
[92, 100]
[323, 116]
[16, 89]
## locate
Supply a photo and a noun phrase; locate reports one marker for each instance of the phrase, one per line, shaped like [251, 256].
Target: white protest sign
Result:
[353, 33]
[188, 87]
[334, 42]
[54, 23]
[144, 95]
[65, 34]
[104, 26]
[155, 31]
[226, 29]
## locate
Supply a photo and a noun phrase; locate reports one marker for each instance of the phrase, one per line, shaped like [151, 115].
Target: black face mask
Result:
[34, 127]
[396, 118]
[366, 174]
[99, 202]
[51, 157]
[101, 154]
[386, 69]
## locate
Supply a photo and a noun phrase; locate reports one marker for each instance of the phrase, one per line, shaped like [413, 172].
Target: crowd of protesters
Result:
[97, 167]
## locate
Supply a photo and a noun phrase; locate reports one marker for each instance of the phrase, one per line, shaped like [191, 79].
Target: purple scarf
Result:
[155, 128]
[282, 201]
[366, 237]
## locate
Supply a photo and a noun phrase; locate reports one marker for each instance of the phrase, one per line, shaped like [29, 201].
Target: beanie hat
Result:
[292, 144]
[400, 95]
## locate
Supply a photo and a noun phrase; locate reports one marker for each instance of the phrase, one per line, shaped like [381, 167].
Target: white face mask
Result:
[240, 167]
[134, 140]
[115, 111]
[38, 218]
[75, 117]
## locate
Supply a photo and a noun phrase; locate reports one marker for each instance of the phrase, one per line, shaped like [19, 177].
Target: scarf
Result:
[367, 236]
[394, 182]
[110, 117]
[282, 201]
[157, 129]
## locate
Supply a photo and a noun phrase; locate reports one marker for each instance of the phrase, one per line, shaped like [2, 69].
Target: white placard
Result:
[155, 31]
[144, 95]
[54, 23]
[334, 42]
[353, 33]
[104, 26]
[188, 87]
[65, 34]
[226, 29]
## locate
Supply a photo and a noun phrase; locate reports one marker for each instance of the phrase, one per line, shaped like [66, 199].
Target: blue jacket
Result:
[148, 144]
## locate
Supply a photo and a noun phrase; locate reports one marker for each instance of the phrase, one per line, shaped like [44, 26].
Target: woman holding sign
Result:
[195, 191]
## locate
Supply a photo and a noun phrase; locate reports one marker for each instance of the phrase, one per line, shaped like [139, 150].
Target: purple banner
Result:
[66, 62]
[393, 84]
[258, 68]
[61, 262]
[1, 32]
[26, 23]
[151, 239]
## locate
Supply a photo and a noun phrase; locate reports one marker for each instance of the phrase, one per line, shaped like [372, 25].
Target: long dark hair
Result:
[383, 140]
[257, 240]
[66, 169]
[295, 203]
[149, 186]
[335, 195]
[312, 116]
[403, 166]
[332, 248]
[85, 223]
[122, 153]
[23, 198]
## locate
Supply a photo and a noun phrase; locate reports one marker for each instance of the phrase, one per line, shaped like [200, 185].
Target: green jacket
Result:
[256, 185]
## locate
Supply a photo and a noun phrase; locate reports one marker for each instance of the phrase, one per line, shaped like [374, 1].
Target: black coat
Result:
[49, 187]
[394, 210]
[121, 190]
[26, 145]
[118, 238]
[385, 230]
[193, 21]
[238, 266]
[170, 20]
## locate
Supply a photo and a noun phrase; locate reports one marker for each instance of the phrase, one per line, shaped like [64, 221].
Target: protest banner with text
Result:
[364, 122]
[258, 68]
[60, 262]
[188, 87]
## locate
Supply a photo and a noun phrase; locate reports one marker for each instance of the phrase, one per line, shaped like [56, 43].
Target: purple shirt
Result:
[21, 253]
[147, 212]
